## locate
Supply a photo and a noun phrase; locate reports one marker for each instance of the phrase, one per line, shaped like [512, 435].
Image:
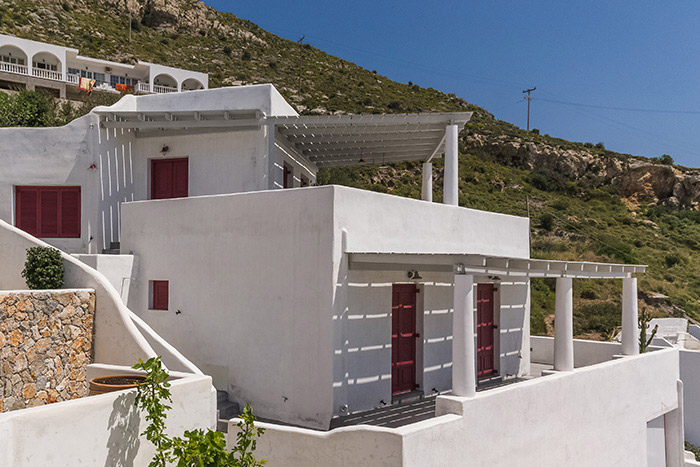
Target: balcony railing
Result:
[163, 89]
[72, 79]
[143, 87]
[47, 74]
[14, 68]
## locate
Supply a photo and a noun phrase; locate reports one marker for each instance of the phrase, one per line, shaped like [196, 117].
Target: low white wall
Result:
[586, 352]
[690, 375]
[99, 430]
[592, 416]
[358, 446]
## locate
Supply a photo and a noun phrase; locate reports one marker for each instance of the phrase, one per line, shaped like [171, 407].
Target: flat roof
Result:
[491, 265]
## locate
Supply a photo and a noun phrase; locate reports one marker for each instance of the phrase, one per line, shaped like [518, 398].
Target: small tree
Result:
[644, 319]
[43, 268]
[198, 448]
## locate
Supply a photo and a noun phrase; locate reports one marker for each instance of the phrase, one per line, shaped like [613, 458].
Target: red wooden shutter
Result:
[169, 178]
[27, 209]
[161, 179]
[70, 212]
[160, 295]
[180, 178]
[48, 213]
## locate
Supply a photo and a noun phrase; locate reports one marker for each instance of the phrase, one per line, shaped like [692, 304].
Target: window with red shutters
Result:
[159, 295]
[48, 211]
[169, 178]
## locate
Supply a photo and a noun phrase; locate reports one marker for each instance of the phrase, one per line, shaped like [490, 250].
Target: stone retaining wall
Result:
[45, 346]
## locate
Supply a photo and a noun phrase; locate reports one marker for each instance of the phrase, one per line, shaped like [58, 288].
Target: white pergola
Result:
[466, 266]
[348, 140]
[326, 140]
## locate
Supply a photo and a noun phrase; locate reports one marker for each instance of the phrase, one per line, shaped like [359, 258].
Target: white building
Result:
[331, 307]
[31, 64]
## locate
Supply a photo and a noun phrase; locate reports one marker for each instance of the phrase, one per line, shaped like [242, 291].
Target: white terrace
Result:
[37, 64]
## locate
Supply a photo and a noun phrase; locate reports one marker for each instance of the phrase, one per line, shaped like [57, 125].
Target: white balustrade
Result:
[14, 68]
[47, 74]
[163, 89]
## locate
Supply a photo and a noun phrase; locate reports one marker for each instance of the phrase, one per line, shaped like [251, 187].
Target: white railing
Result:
[14, 68]
[72, 79]
[163, 89]
[47, 74]
[143, 87]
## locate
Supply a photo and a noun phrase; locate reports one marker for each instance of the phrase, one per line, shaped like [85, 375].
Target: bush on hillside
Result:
[43, 268]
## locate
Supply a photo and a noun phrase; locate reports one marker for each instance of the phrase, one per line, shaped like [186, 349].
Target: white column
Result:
[451, 179]
[463, 347]
[630, 329]
[427, 194]
[564, 325]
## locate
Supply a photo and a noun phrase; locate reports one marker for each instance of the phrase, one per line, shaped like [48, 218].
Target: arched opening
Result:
[13, 59]
[164, 83]
[46, 65]
[191, 84]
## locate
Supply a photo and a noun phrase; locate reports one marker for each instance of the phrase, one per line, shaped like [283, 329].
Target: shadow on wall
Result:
[123, 426]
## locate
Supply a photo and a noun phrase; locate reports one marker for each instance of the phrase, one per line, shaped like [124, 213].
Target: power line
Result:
[624, 109]
[632, 129]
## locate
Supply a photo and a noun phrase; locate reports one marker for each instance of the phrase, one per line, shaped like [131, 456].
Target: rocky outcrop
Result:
[661, 184]
[45, 346]
[638, 180]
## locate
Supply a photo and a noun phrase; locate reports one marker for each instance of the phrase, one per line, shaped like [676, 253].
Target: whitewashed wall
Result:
[263, 306]
[362, 369]
[369, 222]
[250, 275]
[593, 416]
[99, 430]
[219, 161]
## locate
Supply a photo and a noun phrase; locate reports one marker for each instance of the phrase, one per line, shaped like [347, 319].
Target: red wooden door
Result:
[403, 338]
[485, 328]
[169, 178]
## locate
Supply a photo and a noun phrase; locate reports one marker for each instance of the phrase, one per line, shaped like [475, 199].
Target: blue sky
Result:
[608, 55]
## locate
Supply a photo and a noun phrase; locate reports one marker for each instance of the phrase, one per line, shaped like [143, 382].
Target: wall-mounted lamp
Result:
[165, 149]
[459, 268]
[413, 274]
[92, 167]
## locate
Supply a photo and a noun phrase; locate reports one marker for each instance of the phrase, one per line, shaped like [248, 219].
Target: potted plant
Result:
[110, 383]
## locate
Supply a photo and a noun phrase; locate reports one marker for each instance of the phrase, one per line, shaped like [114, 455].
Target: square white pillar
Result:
[630, 313]
[427, 188]
[564, 325]
[463, 346]
[451, 176]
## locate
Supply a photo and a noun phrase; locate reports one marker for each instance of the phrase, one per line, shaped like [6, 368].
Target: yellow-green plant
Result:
[198, 448]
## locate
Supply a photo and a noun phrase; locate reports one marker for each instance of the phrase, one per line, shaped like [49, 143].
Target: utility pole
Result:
[528, 98]
[301, 58]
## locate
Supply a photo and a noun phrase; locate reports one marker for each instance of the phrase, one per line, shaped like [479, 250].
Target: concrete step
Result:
[114, 249]
[227, 410]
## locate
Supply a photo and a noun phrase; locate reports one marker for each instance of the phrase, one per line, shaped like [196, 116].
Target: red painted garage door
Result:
[169, 178]
[403, 338]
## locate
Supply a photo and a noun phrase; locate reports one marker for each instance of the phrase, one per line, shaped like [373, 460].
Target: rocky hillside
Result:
[586, 202]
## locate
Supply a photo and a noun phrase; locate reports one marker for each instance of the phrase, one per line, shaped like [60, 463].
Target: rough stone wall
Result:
[45, 346]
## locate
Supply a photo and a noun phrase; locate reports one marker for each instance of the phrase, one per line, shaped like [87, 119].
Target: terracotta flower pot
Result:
[110, 383]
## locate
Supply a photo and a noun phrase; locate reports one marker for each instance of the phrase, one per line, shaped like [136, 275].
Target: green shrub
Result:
[547, 221]
[43, 268]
